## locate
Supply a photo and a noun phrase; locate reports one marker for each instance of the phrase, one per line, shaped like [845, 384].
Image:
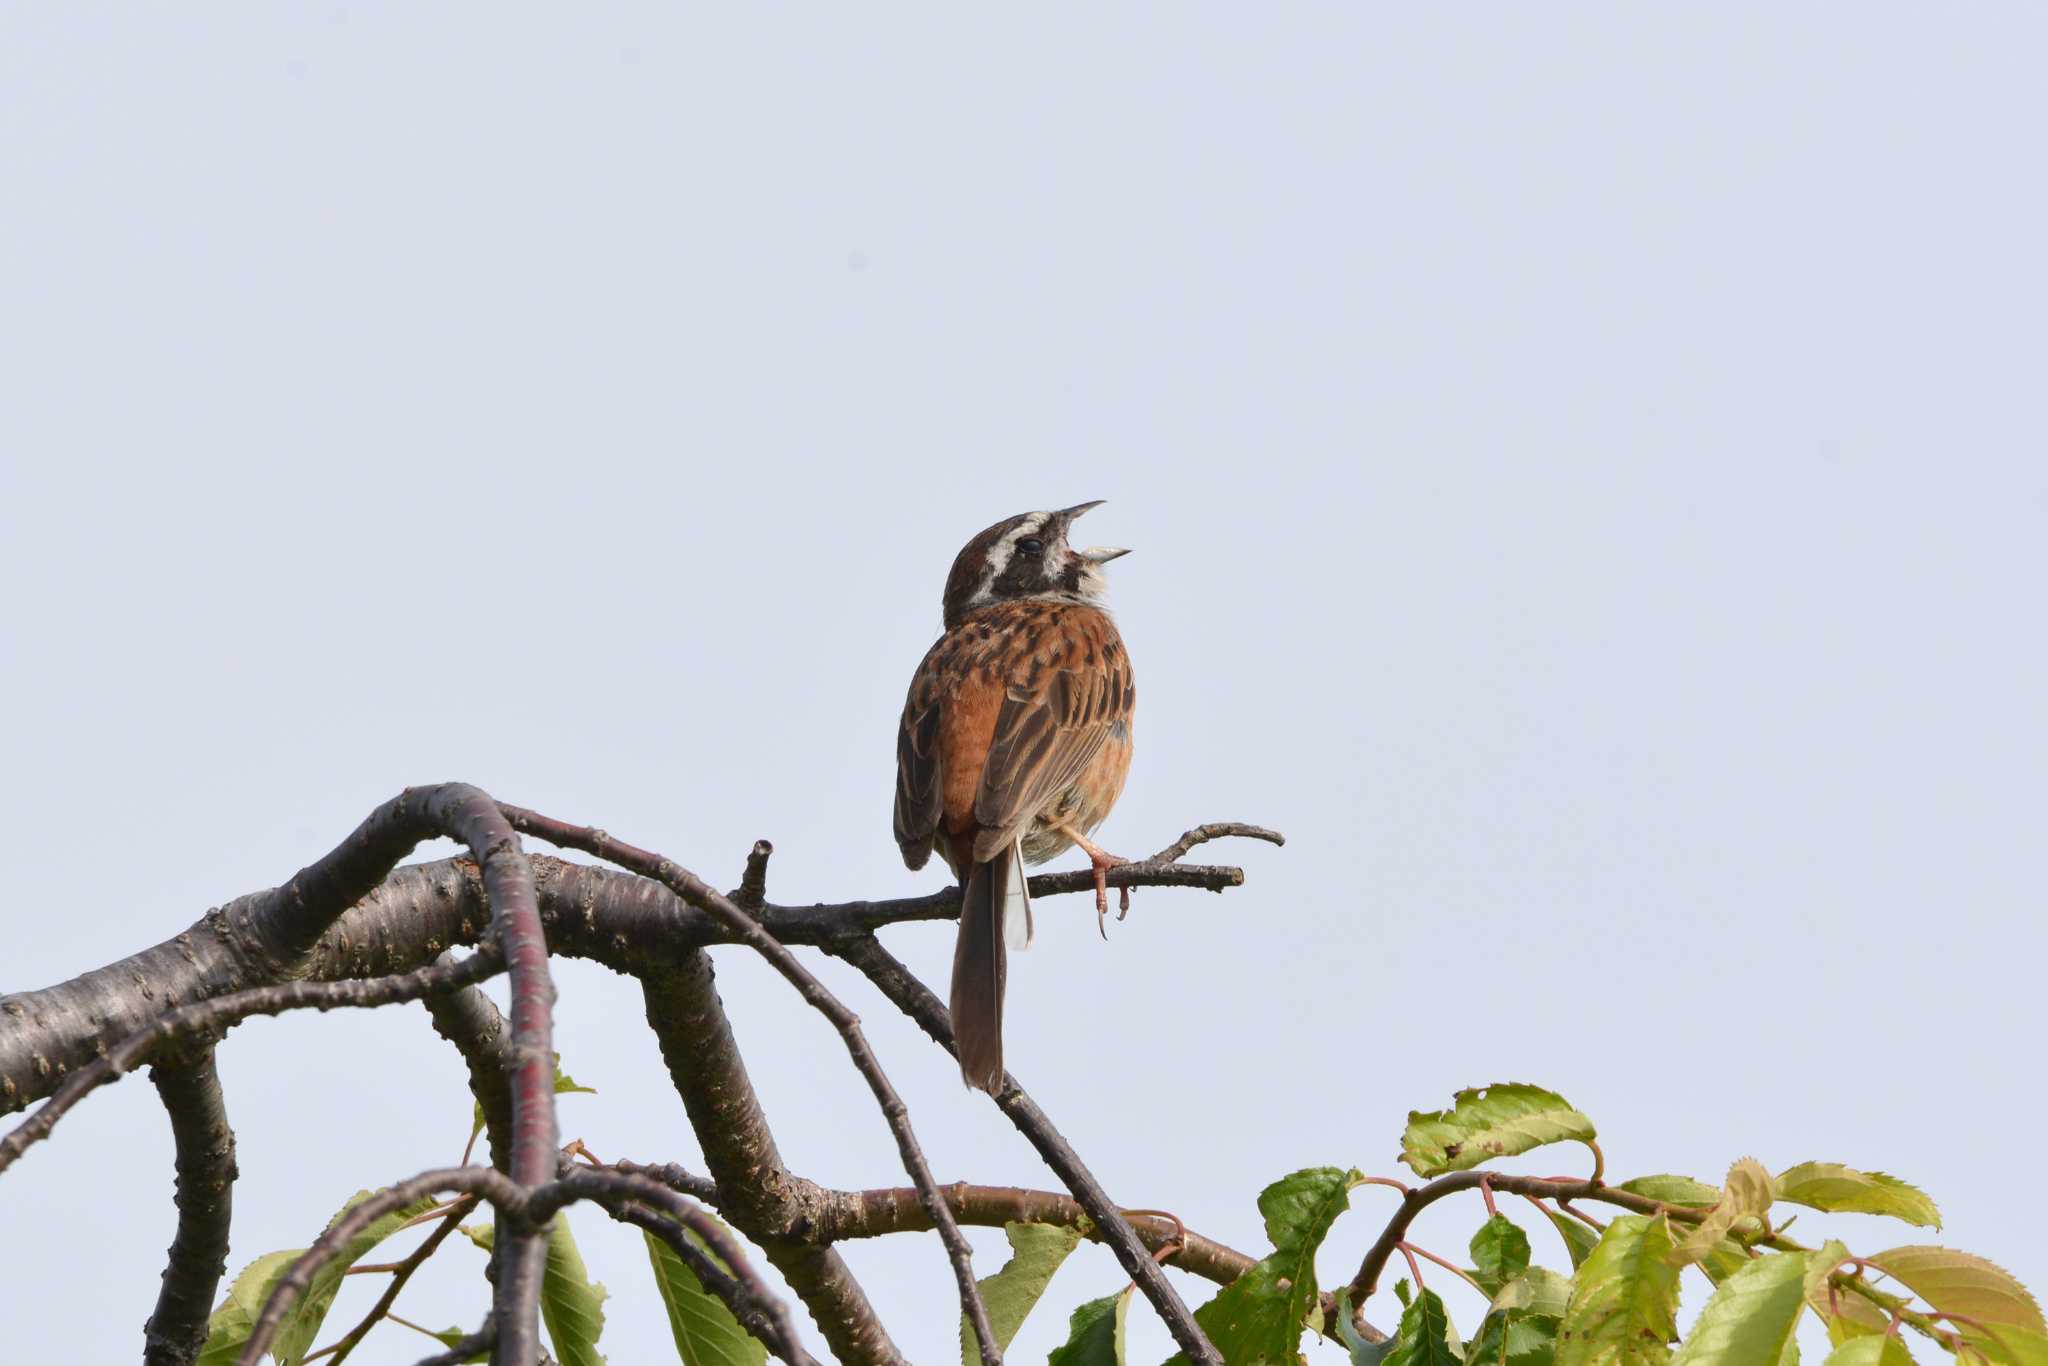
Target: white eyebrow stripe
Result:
[1002, 552]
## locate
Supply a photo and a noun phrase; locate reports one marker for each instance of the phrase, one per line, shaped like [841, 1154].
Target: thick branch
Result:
[190, 1088]
[470, 1020]
[205, 1021]
[704, 1062]
[914, 999]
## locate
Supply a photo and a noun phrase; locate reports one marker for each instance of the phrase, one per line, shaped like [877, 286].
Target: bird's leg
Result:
[1102, 861]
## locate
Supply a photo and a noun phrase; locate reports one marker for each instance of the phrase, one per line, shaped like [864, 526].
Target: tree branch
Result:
[190, 1088]
[914, 999]
[753, 1185]
[698, 893]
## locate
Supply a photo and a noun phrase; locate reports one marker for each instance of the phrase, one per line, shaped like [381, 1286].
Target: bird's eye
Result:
[1031, 545]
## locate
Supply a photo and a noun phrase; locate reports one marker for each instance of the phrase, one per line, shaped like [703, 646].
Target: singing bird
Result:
[1015, 742]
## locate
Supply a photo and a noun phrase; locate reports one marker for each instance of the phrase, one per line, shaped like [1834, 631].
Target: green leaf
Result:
[1745, 1196]
[1036, 1252]
[1872, 1351]
[1536, 1292]
[1095, 1333]
[1625, 1298]
[570, 1305]
[1500, 1252]
[1838, 1189]
[1958, 1283]
[564, 1085]
[484, 1236]
[1515, 1338]
[1487, 1122]
[706, 1333]
[1751, 1316]
[1579, 1238]
[1363, 1353]
[1424, 1337]
[1259, 1316]
[450, 1336]
[2013, 1345]
[1674, 1190]
[230, 1325]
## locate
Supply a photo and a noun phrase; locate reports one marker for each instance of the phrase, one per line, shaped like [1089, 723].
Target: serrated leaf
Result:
[228, 1327]
[1872, 1351]
[1036, 1251]
[1259, 1316]
[2012, 1345]
[1514, 1338]
[705, 1331]
[1965, 1285]
[1844, 1190]
[1579, 1238]
[230, 1324]
[1536, 1291]
[1745, 1195]
[1751, 1316]
[1095, 1333]
[1424, 1337]
[1624, 1299]
[1674, 1190]
[570, 1305]
[1500, 1252]
[1486, 1122]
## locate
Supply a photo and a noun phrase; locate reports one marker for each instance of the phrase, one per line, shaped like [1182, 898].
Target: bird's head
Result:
[1027, 556]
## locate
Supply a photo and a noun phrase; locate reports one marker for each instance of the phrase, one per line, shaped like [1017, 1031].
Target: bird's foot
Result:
[1102, 861]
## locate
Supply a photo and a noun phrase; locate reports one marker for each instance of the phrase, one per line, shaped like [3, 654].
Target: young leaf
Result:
[1424, 1338]
[1500, 1252]
[1625, 1298]
[1487, 1122]
[1095, 1333]
[1259, 1316]
[706, 1333]
[1036, 1251]
[1881, 1350]
[1514, 1338]
[1363, 1353]
[1829, 1186]
[570, 1305]
[1536, 1291]
[450, 1336]
[1746, 1194]
[1674, 1190]
[230, 1324]
[1579, 1238]
[1958, 1283]
[1751, 1316]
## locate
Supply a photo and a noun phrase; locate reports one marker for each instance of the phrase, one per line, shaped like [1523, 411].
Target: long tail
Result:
[995, 894]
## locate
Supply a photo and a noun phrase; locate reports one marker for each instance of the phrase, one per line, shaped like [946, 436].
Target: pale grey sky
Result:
[1585, 467]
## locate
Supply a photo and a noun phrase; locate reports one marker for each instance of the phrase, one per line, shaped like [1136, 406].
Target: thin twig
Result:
[401, 1273]
[700, 894]
[916, 1000]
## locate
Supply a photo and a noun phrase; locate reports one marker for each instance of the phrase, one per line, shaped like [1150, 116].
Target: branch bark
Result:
[190, 1088]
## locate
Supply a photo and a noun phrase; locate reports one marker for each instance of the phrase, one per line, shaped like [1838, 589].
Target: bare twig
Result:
[486, 1182]
[700, 894]
[191, 1093]
[915, 999]
[400, 1274]
[754, 1187]
[740, 1285]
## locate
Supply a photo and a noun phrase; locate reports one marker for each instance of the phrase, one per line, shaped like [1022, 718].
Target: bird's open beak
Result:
[1094, 554]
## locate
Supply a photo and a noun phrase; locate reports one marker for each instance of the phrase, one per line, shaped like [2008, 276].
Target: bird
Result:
[1014, 745]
